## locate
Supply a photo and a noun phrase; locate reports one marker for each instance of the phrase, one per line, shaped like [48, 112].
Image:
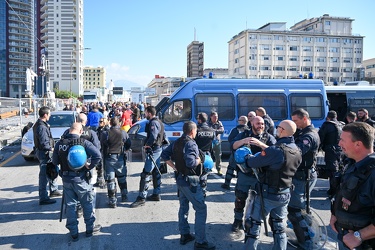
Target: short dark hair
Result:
[114, 121]
[352, 115]
[364, 110]
[361, 131]
[188, 127]
[301, 113]
[43, 111]
[332, 114]
[151, 110]
[203, 117]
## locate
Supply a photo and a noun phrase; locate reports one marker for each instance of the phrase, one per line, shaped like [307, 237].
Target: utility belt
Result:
[72, 173]
[352, 221]
[271, 190]
[117, 154]
[301, 173]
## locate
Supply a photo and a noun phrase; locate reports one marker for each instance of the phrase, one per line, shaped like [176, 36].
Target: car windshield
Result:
[63, 120]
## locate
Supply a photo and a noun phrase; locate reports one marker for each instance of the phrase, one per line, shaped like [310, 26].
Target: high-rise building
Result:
[324, 46]
[195, 59]
[61, 33]
[94, 78]
[16, 45]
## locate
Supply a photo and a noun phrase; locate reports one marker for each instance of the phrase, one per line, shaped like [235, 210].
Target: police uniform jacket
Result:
[63, 150]
[308, 141]
[87, 134]
[354, 205]
[269, 125]
[265, 137]
[273, 160]
[235, 131]
[329, 134]
[115, 141]
[190, 152]
[218, 127]
[43, 139]
[155, 131]
[205, 136]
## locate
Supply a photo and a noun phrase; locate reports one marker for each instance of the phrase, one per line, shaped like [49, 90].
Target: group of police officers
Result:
[277, 175]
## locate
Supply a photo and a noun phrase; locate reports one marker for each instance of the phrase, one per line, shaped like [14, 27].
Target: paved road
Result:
[26, 225]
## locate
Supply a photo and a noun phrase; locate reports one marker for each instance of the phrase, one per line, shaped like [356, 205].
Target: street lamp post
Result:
[71, 67]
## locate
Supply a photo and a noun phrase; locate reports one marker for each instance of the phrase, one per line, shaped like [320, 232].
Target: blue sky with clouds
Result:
[135, 40]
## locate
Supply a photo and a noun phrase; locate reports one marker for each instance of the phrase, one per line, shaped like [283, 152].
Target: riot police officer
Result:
[185, 153]
[44, 145]
[279, 164]
[353, 205]
[153, 148]
[219, 130]
[205, 136]
[241, 127]
[256, 139]
[307, 139]
[75, 172]
[114, 143]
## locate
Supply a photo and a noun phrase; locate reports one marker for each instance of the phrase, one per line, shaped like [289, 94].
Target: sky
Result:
[137, 39]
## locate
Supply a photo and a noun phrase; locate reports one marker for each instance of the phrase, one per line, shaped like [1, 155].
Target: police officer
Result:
[204, 138]
[307, 139]
[353, 205]
[114, 143]
[329, 134]
[241, 127]
[219, 130]
[76, 181]
[363, 116]
[184, 152]
[154, 140]
[44, 145]
[279, 164]
[256, 139]
[103, 126]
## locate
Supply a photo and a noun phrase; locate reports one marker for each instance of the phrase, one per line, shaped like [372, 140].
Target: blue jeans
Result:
[244, 184]
[43, 179]
[298, 199]
[150, 169]
[74, 193]
[200, 207]
[276, 206]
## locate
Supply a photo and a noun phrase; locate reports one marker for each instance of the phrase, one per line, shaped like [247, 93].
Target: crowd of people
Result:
[277, 174]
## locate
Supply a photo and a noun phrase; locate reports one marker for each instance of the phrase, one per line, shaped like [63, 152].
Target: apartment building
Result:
[61, 33]
[16, 46]
[369, 66]
[163, 86]
[324, 46]
[94, 78]
[195, 59]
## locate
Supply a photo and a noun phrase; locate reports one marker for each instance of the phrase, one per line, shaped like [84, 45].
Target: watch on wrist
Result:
[357, 234]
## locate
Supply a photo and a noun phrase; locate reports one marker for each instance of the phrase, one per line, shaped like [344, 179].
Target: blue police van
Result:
[231, 98]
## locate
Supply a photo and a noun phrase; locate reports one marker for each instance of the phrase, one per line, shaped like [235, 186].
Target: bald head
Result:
[287, 128]
[257, 125]
[82, 118]
[75, 128]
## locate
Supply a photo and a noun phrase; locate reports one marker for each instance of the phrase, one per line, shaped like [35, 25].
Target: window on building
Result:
[253, 57]
[306, 69]
[347, 50]
[279, 68]
[293, 58]
[293, 38]
[347, 40]
[307, 39]
[253, 36]
[264, 67]
[320, 59]
[279, 47]
[334, 59]
[253, 67]
[347, 60]
[334, 40]
[265, 47]
[266, 57]
[265, 37]
[327, 23]
[334, 69]
[334, 49]
[236, 51]
[358, 60]
[320, 39]
[358, 41]
[307, 58]
[321, 49]
[280, 58]
[347, 70]
[358, 50]
[307, 48]
[236, 60]
[293, 48]
[292, 69]
[278, 37]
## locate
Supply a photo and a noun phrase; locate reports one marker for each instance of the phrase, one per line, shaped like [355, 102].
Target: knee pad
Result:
[277, 225]
[111, 192]
[249, 223]
[239, 204]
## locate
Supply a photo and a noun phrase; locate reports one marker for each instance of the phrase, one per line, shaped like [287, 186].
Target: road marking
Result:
[9, 159]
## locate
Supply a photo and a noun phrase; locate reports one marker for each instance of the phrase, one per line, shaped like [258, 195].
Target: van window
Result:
[313, 104]
[177, 111]
[223, 104]
[273, 103]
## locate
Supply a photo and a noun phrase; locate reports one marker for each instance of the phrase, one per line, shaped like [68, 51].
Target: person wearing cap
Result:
[329, 134]
[76, 183]
[278, 164]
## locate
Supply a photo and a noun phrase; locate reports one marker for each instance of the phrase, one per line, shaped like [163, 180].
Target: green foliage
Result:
[63, 94]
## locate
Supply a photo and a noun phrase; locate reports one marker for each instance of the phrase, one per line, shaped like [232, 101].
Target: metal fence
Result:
[20, 111]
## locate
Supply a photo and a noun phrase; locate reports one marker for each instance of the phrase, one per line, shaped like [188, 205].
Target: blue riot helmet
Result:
[77, 157]
[240, 154]
[208, 163]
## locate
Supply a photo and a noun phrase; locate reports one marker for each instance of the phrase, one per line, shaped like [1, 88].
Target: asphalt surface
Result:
[24, 224]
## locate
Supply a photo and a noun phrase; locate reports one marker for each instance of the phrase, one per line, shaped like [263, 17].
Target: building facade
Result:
[16, 46]
[94, 78]
[216, 72]
[369, 66]
[324, 46]
[162, 86]
[195, 59]
[61, 34]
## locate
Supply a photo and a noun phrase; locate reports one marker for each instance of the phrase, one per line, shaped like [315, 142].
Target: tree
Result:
[63, 94]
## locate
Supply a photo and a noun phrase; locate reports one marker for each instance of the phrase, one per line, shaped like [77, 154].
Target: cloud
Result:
[117, 72]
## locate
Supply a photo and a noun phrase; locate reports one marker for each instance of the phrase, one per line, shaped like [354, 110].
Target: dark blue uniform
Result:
[76, 186]
[278, 163]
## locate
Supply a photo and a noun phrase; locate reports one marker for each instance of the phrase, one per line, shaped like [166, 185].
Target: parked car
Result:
[59, 121]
